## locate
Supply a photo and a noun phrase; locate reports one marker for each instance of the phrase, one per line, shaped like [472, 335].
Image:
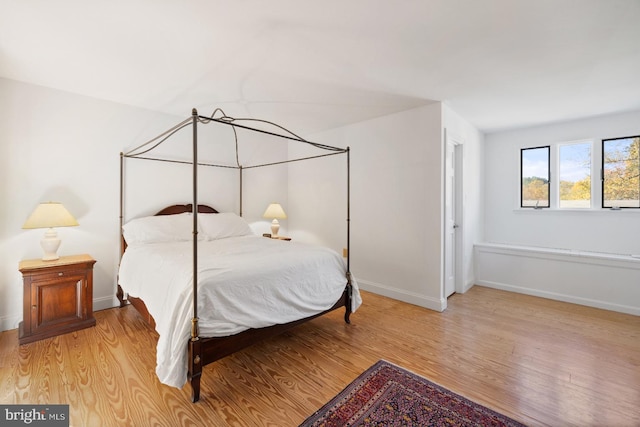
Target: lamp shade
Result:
[274, 211]
[50, 214]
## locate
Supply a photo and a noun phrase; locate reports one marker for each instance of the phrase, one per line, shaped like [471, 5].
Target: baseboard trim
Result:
[467, 286]
[9, 322]
[561, 297]
[105, 303]
[403, 295]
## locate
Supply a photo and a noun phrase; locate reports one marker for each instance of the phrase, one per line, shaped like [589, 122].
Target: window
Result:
[534, 167]
[559, 176]
[621, 172]
[574, 167]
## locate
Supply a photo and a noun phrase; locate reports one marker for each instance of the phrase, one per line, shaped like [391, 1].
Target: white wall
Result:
[396, 202]
[64, 147]
[600, 231]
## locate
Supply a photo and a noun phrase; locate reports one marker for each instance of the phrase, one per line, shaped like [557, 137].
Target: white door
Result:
[450, 226]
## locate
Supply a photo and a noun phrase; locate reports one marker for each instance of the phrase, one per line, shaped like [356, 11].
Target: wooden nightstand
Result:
[269, 236]
[57, 297]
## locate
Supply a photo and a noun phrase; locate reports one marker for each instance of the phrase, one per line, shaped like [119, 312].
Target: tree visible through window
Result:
[534, 166]
[621, 172]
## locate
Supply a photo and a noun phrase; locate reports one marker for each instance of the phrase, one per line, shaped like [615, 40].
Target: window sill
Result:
[589, 211]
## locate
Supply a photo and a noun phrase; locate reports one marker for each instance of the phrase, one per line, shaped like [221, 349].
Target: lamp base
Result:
[275, 227]
[50, 244]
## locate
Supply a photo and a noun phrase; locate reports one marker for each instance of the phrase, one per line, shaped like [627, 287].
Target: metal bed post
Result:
[119, 292]
[194, 321]
[194, 361]
[121, 202]
[240, 168]
[348, 209]
[348, 302]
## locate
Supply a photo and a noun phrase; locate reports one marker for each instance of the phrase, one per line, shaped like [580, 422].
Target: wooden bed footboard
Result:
[202, 351]
[207, 350]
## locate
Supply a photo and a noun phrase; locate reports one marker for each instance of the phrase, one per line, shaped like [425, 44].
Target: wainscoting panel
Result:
[601, 280]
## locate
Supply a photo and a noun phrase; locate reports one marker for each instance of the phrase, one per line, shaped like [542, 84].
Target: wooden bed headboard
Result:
[178, 209]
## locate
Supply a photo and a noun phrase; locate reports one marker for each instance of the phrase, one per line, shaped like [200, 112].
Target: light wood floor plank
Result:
[541, 362]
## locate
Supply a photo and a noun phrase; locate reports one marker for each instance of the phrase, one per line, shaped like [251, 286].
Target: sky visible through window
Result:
[575, 162]
[535, 163]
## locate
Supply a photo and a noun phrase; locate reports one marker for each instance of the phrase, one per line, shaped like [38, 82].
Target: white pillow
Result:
[158, 229]
[222, 225]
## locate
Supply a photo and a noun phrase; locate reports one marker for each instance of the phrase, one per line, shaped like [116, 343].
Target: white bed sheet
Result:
[243, 282]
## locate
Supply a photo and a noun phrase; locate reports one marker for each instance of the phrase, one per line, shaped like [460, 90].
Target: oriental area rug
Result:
[387, 395]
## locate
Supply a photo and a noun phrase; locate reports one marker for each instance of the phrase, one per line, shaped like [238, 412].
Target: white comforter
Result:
[243, 282]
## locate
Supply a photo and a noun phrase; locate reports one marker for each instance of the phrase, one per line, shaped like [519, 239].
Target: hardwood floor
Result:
[541, 362]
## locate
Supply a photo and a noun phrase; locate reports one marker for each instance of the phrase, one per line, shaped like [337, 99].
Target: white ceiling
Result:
[317, 65]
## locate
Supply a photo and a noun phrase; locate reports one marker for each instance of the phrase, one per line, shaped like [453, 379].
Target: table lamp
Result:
[275, 211]
[49, 215]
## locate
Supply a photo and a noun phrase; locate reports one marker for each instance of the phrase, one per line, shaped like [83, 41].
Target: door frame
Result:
[458, 205]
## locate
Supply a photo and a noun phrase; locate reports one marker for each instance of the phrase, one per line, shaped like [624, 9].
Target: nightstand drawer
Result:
[45, 276]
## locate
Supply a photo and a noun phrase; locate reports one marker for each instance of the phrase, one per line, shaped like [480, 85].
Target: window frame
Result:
[522, 150]
[602, 176]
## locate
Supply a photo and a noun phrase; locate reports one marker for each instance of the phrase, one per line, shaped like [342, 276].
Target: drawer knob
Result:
[34, 307]
[60, 274]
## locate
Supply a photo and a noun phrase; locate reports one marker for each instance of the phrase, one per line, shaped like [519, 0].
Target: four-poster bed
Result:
[316, 281]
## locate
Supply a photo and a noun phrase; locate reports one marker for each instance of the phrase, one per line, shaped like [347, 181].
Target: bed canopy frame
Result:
[143, 152]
